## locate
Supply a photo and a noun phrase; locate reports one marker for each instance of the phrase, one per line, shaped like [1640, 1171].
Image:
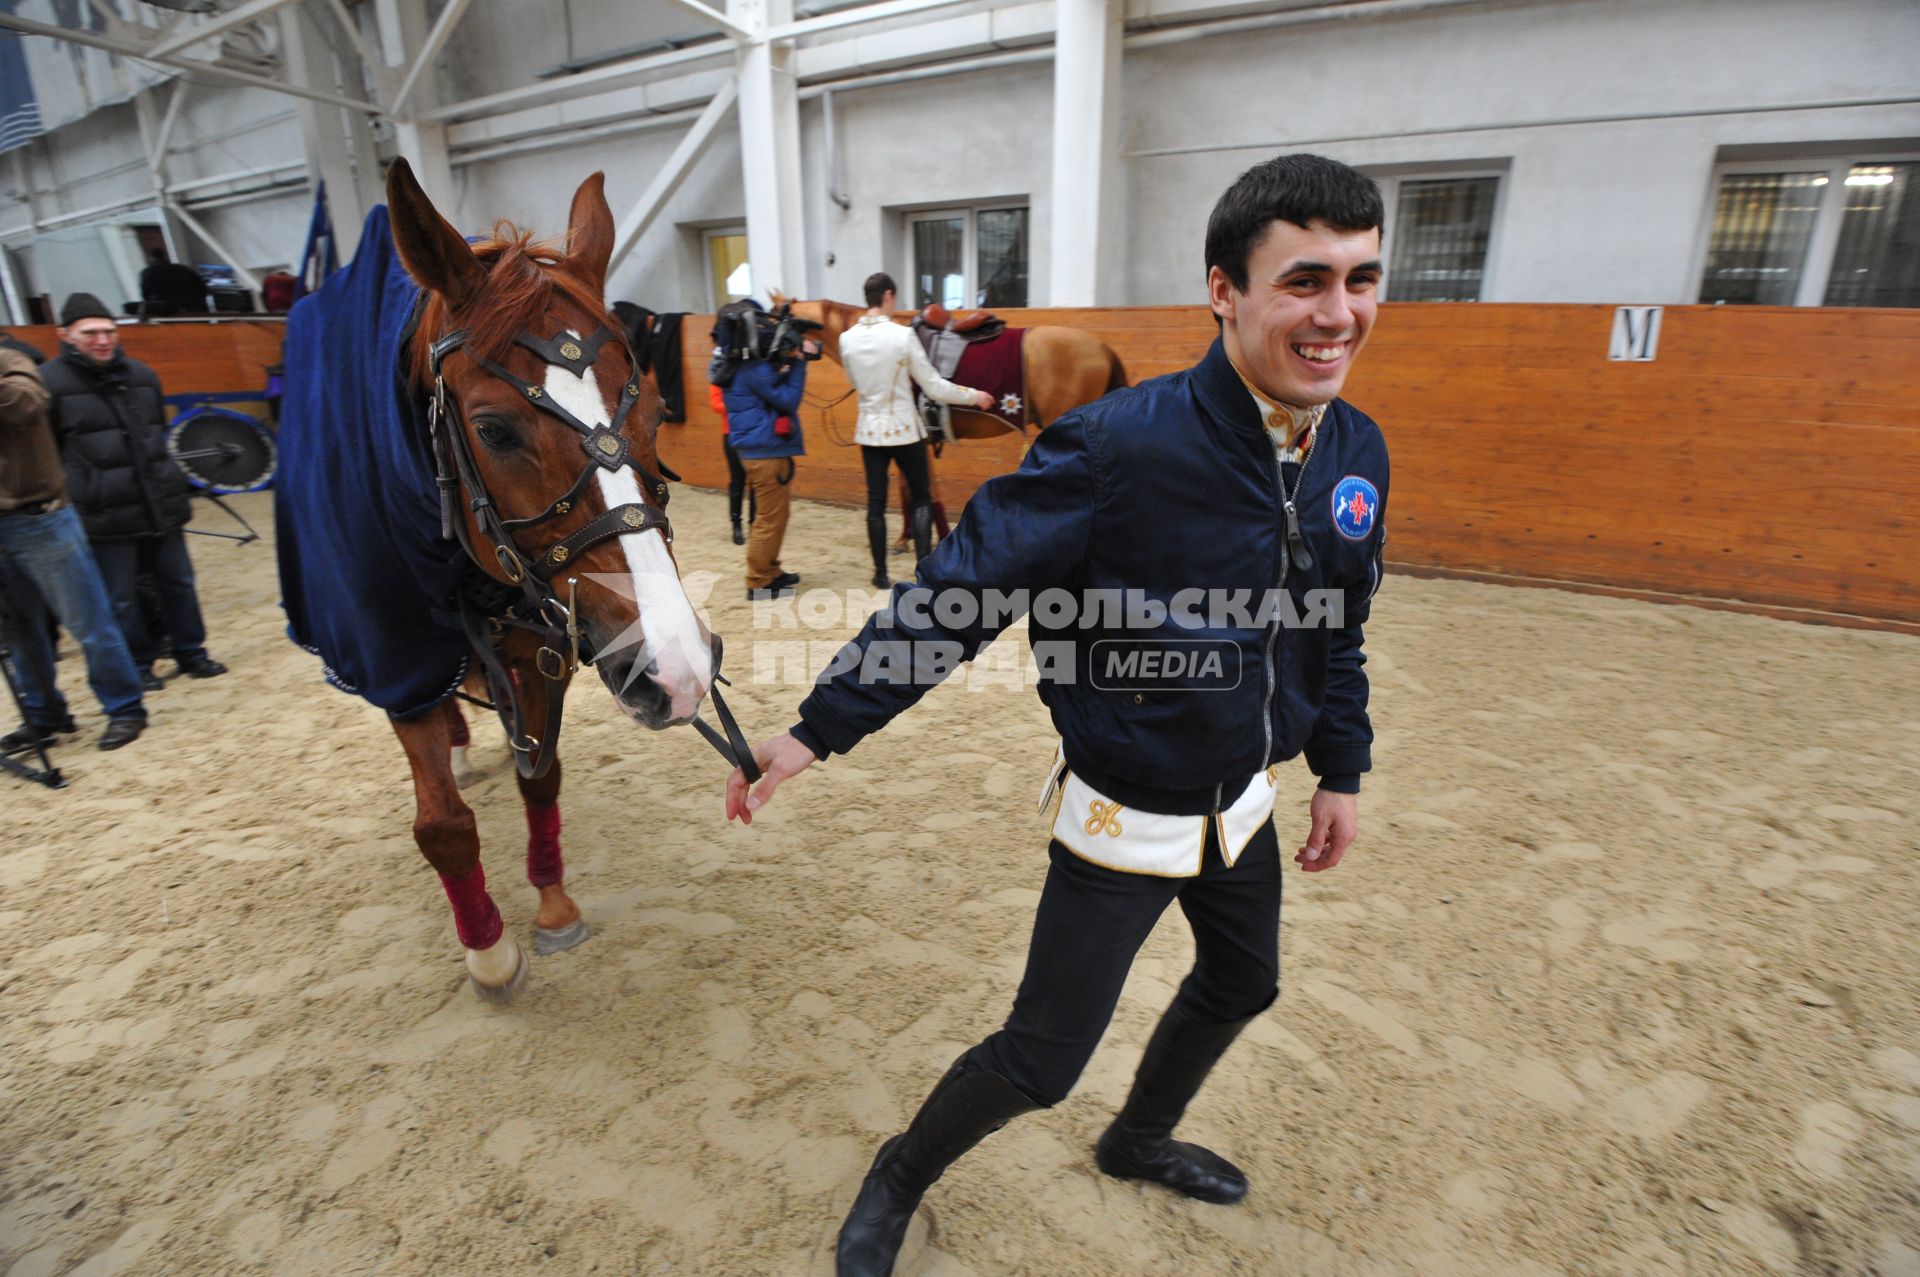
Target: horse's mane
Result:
[523, 277]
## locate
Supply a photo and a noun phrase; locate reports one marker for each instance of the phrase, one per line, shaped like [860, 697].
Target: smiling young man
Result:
[1242, 477]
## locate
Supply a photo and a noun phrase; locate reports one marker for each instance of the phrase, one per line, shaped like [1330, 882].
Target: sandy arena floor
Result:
[1621, 978]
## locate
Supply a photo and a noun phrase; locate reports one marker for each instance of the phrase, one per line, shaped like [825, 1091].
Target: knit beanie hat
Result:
[83, 306]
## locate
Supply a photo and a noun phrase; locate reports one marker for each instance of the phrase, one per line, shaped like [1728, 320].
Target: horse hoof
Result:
[502, 993]
[560, 939]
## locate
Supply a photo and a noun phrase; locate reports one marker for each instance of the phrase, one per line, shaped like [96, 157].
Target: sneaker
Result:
[201, 666]
[122, 731]
[151, 682]
[786, 580]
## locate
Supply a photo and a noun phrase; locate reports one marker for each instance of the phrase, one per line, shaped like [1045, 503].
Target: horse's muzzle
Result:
[657, 692]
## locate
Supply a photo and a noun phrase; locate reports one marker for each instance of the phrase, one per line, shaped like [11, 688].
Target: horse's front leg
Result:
[444, 830]
[558, 925]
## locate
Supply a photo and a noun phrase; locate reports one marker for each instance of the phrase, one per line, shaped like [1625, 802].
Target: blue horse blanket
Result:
[363, 567]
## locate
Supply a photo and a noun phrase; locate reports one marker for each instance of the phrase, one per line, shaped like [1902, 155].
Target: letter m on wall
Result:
[1636, 334]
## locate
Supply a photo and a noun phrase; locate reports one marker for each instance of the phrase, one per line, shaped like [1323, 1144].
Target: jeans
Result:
[1090, 924]
[165, 559]
[45, 563]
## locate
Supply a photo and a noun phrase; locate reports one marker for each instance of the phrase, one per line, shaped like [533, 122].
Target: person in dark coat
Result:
[110, 420]
[172, 288]
[46, 570]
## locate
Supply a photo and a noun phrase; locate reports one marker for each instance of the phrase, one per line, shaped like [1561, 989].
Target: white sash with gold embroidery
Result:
[1103, 832]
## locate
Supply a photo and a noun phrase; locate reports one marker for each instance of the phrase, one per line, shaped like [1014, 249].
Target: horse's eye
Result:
[495, 435]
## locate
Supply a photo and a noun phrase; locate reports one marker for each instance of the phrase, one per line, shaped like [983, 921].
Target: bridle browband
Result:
[557, 623]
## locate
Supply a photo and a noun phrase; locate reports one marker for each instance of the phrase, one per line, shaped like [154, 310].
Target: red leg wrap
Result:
[474, 916]
[543, 846]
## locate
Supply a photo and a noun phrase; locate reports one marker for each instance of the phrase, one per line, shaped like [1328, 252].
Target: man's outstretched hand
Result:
[781, 758]
[1336, 819]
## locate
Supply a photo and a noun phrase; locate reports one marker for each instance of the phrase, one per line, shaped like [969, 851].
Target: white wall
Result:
[1592, 212]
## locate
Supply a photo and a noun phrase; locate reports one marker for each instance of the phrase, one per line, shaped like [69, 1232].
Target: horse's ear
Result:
[435, 254]
[590, 229]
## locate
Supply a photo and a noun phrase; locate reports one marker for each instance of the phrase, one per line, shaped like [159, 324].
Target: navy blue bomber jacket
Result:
[1169, 486]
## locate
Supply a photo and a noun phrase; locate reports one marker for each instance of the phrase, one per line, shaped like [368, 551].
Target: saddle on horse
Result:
[968, 349]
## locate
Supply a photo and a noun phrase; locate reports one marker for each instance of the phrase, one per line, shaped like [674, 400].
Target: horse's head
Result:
[548, 419]
[833, 317]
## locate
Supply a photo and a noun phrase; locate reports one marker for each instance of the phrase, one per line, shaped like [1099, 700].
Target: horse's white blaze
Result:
[494, 967]
[674, 648]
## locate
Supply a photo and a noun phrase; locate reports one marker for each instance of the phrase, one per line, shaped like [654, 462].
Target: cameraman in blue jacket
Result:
[1196, 556]
[763, 408]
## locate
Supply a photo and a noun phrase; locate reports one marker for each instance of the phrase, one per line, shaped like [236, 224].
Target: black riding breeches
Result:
[1090, 923]
[912, 460]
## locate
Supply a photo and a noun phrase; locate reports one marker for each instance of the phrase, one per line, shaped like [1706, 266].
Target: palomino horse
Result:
[1065, 368]
[518, 398]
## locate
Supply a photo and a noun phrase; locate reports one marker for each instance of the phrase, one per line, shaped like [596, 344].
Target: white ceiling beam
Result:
[27, 26]
[718, 19]
[157, 157]
[351, 29]
[671, 174]
[216, 26]
[220, 250]
[436, 41]
[574, 85]
[848, 17]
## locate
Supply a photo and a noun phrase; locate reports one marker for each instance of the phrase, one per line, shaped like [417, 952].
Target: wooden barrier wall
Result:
[1770, 456]
[213, 356]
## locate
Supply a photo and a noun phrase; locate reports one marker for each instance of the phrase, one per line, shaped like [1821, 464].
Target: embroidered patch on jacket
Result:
[1355, 503]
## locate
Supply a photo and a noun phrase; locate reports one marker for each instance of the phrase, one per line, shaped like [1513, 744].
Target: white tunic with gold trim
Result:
[1102, 832]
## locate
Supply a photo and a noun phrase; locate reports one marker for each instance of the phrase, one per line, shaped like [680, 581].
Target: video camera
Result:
[745, 330]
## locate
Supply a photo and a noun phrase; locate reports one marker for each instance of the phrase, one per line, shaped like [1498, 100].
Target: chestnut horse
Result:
[543, 436]
[1065, 368]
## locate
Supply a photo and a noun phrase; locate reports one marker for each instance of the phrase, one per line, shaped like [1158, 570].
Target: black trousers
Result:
[1090, 924]
[166, 561]
[912, 460]
[736, 479]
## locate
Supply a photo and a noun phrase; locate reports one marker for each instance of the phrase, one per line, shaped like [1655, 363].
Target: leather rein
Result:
[539, 610]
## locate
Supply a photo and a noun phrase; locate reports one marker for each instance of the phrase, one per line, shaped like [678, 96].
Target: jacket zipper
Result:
[1289, 535]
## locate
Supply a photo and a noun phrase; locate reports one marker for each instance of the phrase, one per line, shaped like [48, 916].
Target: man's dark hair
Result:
[1290, 188]
[878, 285]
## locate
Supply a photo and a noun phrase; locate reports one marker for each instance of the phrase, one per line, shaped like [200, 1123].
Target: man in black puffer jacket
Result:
[111, 423]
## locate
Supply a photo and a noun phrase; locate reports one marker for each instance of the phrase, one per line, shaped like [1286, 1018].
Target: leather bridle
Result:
[540, 609]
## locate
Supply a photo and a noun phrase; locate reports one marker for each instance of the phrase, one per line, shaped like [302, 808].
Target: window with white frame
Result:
[1438, 231]
[1815, 232]
[963, 257]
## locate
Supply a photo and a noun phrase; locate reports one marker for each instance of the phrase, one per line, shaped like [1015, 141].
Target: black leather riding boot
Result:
[1139, 1145]
[922, 532]
[964, 1107]
[877, 542]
